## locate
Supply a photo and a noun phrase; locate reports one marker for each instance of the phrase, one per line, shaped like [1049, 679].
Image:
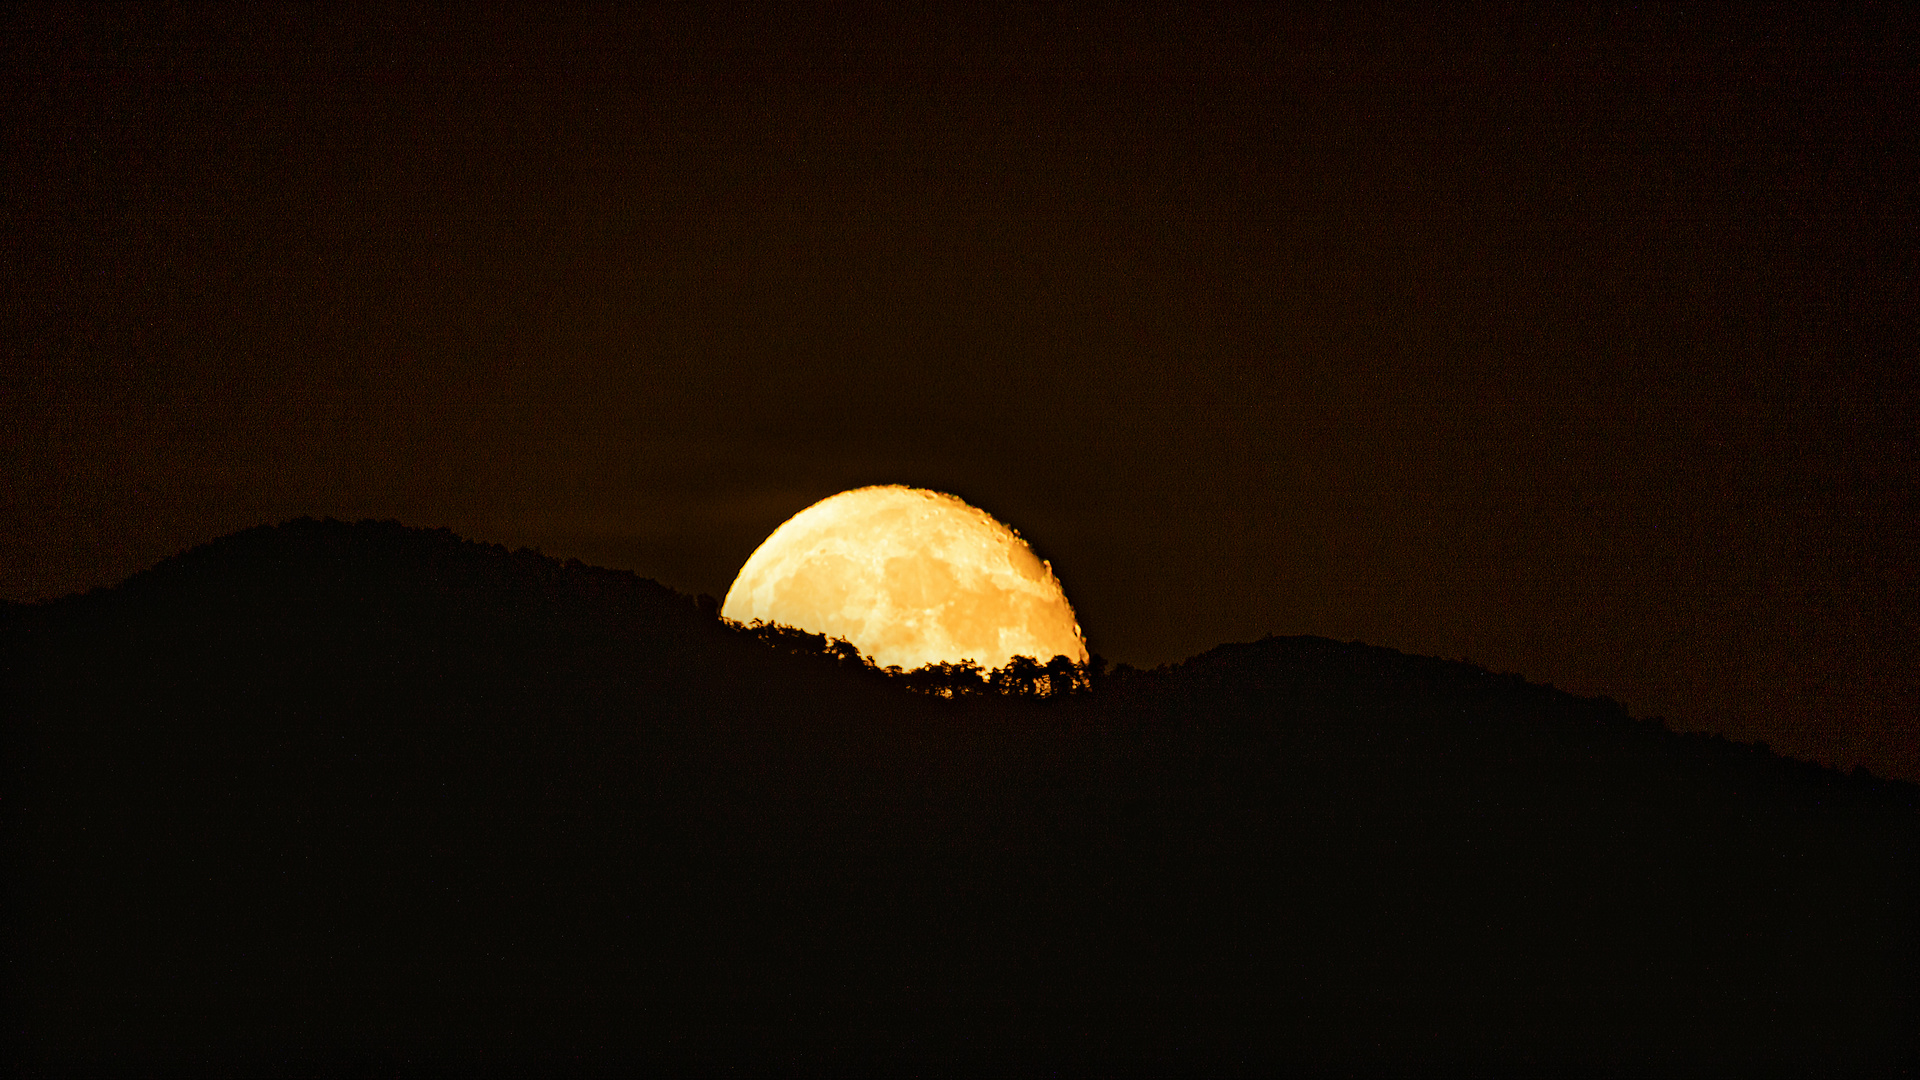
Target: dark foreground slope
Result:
[327, 797]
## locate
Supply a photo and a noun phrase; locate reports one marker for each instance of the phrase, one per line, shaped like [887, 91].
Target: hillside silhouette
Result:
[327, 795]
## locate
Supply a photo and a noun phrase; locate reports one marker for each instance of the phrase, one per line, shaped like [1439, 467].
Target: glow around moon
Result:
[911, 577]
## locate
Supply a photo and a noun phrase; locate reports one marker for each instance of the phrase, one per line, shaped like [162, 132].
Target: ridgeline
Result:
[326, 795]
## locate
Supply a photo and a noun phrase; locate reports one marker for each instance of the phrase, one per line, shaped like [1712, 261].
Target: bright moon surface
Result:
[911, 577]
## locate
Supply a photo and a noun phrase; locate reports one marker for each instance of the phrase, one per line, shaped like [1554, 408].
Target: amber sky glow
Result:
[1577, 341]
[911, 577]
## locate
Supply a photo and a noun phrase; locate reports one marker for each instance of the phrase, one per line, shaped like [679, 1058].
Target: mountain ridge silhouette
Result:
[335, 792]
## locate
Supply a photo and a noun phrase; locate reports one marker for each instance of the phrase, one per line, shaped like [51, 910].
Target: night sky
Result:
[1585, 350]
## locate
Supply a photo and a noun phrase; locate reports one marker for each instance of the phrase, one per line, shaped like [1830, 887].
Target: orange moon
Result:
[910, 577]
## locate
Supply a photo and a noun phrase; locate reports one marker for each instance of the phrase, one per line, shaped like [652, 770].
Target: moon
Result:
[911, 577]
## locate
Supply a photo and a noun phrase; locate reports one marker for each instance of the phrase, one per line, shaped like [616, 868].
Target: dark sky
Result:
[1584, 350]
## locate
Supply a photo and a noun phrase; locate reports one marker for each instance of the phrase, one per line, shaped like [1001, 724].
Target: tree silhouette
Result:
[1064, 677]
[1021, 677]
[965, 679]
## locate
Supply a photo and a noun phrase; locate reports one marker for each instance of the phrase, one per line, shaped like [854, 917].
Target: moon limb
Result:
[910, 577]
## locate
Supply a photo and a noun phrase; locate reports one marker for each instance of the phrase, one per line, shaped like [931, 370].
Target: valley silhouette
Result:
[326, 796]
